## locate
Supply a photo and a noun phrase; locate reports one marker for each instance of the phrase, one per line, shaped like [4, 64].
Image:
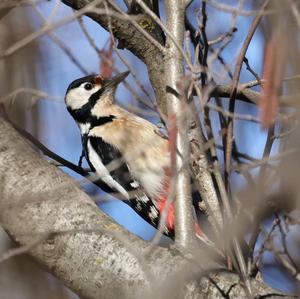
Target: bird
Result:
[127, 152]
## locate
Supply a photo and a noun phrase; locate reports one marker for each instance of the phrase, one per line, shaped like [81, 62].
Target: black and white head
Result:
[82, 94]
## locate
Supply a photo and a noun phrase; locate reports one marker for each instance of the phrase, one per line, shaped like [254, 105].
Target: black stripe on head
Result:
[76, 83]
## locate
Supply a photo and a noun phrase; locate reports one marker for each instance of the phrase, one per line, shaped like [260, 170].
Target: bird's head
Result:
[84, 93]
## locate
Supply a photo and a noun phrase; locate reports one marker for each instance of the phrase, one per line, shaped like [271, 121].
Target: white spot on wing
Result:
[135, 184]
[153, 213]
[144, 198]
[139, 206]
[102, 171]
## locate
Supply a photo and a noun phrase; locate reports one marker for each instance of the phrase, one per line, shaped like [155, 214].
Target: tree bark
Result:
[44, 209]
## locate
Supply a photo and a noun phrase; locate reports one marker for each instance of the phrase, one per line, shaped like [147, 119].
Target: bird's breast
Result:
[144, 151]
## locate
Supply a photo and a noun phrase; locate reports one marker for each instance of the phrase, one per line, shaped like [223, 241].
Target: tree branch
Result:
[82, 246]
[250, 96]
[184, 230]
[85, 248]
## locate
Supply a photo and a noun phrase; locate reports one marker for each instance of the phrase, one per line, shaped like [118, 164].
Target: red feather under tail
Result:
[170, 219]
[169, 173]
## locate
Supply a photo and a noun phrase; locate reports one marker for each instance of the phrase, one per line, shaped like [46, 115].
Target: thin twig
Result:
[261, 250]
[235, 81]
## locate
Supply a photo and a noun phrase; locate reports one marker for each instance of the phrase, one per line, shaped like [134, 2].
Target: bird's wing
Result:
[102, 155]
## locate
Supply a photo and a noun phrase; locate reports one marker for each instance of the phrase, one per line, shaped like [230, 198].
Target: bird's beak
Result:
[114, 81]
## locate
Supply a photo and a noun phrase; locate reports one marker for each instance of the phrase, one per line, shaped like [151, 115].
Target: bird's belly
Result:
[151, 180]
[149, 169]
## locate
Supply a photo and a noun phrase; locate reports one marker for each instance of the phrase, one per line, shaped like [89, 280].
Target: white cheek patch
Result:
[102, 171]
[78, 97]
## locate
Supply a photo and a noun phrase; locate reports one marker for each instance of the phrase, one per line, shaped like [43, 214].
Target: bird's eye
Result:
[88, 86]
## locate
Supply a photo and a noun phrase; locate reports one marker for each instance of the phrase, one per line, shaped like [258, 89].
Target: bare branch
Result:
[251, 96]
[185, 231]
[82, 243]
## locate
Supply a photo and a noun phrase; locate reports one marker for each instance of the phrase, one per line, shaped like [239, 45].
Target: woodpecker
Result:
[126, 152]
